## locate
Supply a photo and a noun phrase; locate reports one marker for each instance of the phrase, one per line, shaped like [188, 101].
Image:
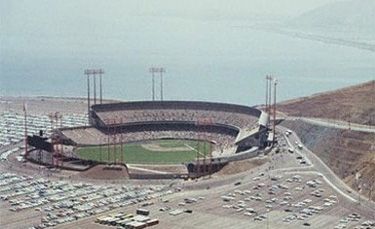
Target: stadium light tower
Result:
[93, 73]
[161, 71]
[94, 76]
[88, 72]
[101, 72]
[274, 110]
[268, 96]
[270, 78]
[152, 71]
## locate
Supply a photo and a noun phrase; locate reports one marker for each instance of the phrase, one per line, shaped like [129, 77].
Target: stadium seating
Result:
[138, 121]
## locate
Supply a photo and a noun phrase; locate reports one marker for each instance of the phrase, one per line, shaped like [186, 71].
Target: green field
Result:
[166, 152]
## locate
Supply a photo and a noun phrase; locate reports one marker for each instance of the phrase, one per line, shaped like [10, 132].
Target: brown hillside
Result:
[355, 104]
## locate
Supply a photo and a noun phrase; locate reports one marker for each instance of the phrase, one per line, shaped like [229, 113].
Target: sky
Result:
[47, 42]
[72, 26]
[14, 13]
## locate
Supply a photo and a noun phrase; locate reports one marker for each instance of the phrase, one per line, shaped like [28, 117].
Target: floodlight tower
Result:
[88, 72]
[94, 76]
[93, 73]
[268, 96]
[161, 71]
[268, 108]
[152, 71]
[274, 111]
[101, 72]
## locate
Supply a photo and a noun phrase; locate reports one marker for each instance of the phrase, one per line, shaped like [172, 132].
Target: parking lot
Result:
[57, 202]
[12, 125]
[291, 201]
[284, 192]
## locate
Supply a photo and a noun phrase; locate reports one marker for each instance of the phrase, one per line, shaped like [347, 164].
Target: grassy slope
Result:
[134, 153]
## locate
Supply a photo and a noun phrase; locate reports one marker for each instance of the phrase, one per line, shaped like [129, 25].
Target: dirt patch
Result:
[165, 168]
[159, 148]
[104, 172]
[242, 166]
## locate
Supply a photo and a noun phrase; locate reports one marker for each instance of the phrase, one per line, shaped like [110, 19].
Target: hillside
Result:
[346, 152]
[355, 104]
[356, 15]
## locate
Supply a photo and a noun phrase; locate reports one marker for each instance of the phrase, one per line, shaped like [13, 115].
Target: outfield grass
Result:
[134, 153]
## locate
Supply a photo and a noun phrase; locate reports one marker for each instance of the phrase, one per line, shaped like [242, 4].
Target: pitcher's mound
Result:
[107, 172]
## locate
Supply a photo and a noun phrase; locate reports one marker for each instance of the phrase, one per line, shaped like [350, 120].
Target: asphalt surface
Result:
[318, 166]
[336, 124]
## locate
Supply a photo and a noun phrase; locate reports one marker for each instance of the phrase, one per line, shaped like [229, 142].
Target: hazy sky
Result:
[59, 23]
[48, 43]
[78, 8]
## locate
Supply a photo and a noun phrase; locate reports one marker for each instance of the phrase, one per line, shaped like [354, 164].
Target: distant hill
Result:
[355, 104]
[341, 15]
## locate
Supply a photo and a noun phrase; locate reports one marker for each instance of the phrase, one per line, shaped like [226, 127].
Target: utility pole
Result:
[274, 111]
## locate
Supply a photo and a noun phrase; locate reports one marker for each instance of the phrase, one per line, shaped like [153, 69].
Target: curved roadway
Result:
[335, 124]
[317, 166]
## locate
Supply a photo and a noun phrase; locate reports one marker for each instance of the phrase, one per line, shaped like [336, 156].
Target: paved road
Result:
[335, 124]
[320, 167]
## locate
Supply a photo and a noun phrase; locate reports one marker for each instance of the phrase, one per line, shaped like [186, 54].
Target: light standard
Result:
[160, 70]
[152, 71]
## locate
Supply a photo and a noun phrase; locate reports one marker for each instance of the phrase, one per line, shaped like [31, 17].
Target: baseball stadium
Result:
[158, 139]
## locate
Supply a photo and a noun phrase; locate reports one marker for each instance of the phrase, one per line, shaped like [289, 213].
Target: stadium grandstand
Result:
[231, 128]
